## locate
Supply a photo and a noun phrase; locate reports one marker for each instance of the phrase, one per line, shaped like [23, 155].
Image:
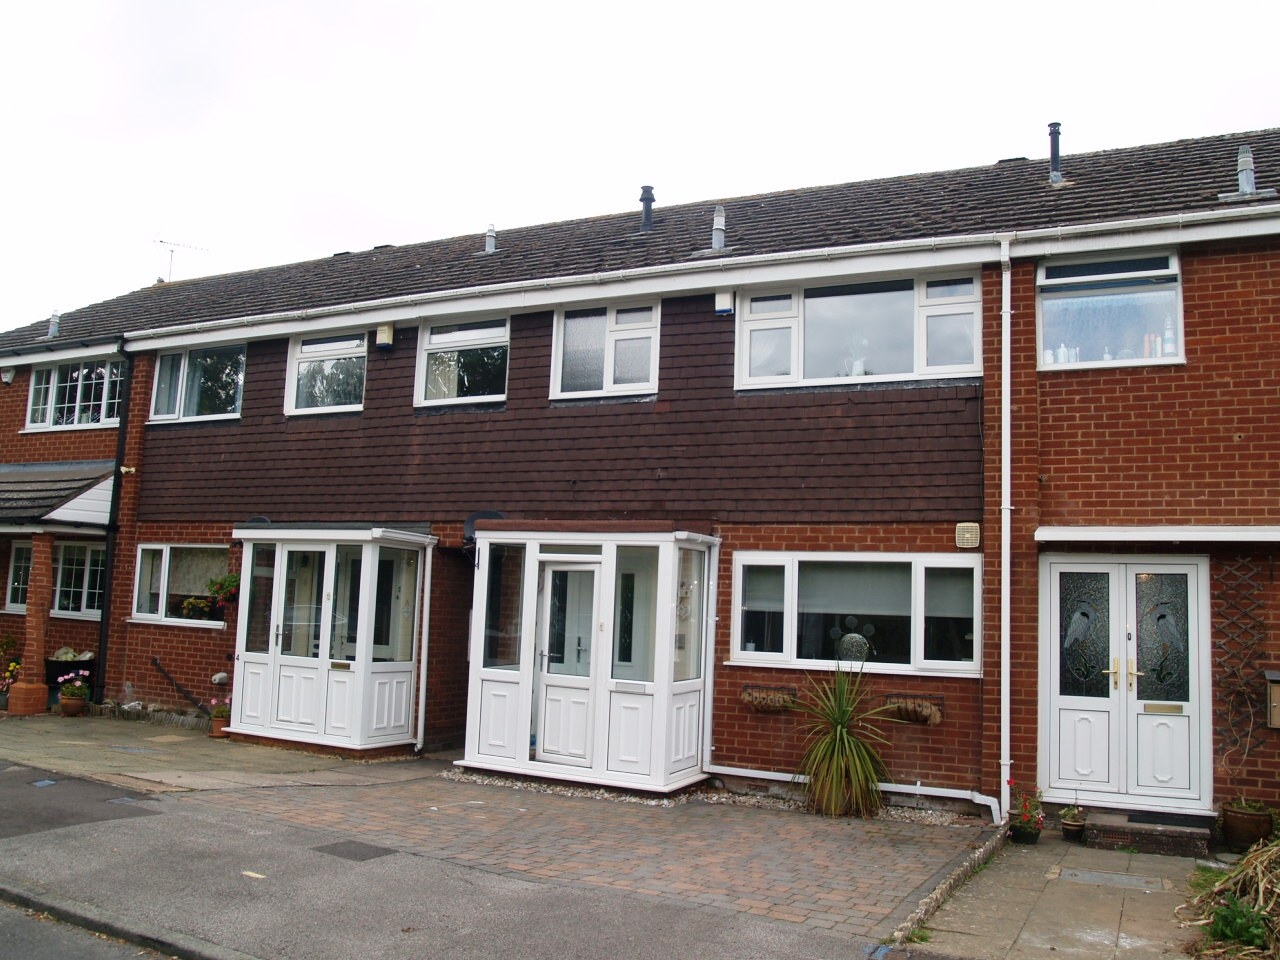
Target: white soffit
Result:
[1193, 534]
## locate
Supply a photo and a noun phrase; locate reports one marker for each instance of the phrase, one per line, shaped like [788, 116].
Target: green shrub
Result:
[1236, 922]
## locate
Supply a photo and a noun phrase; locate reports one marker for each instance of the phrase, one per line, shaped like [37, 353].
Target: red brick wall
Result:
[1145, 446]
[43, 446]
[948, 755]
[452, 579]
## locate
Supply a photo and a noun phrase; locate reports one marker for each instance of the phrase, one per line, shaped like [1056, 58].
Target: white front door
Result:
[1125, 673]
[563, 689]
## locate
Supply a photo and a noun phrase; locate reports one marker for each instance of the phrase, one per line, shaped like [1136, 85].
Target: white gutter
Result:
[728, 271]
[1006, 504]
[422, 648]
[1205, 533]
[917, 790]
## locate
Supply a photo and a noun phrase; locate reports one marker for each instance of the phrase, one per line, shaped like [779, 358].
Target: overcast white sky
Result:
[246, 134]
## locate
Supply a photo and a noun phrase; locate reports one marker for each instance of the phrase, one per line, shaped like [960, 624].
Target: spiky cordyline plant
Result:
[841, 763]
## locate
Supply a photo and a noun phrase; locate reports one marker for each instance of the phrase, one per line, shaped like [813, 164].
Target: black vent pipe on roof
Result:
[646, 198]
[1055, 160]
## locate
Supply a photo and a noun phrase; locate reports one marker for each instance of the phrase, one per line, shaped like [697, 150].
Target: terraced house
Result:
[593, 499]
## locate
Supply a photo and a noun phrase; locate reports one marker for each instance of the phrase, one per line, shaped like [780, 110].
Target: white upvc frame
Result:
[92, 548]
[49, 374]
[184, 371]
[319, 347]
[790, 562]
[486, 332]
[165, 556]
[789, 316]
[12, 582]
[615, 332]
[1097, 284]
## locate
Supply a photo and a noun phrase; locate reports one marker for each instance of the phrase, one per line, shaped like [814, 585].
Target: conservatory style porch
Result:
[327, 649]
[587, 656]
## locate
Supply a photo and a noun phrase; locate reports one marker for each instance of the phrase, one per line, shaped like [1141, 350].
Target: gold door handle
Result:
[1115, 669]
[1134, 672]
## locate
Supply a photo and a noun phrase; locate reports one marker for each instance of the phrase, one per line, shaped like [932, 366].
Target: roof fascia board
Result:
[705, 275]
[1174, 534]
[332, 535]
[39, 356]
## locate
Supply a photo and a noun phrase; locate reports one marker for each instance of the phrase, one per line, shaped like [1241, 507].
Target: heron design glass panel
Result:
[1163, 636]
[1084, 639]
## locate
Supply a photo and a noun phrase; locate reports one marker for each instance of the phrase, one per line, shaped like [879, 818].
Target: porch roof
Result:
[39, 493]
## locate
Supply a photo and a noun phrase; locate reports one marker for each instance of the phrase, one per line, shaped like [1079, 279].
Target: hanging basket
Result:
[914, 709]
[768, 699]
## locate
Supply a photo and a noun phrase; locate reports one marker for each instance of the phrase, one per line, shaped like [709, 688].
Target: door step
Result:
[1183, 837]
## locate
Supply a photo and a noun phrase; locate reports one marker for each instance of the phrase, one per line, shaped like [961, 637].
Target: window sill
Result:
[69, 615]
[1113, 364]
[897, 669]
[316, 411]
[173, 622]
[152, 421]
[952, 373]
[64, 428]
[460, 402]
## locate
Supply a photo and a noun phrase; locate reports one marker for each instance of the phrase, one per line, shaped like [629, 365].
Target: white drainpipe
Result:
[1006, 503]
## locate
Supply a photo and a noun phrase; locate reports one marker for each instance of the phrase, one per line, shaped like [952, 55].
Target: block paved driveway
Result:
[848, 877]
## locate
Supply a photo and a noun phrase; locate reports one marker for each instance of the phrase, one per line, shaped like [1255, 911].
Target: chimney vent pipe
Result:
[717, 229]
[490, 240]
[646, 199]
[1055, 160]
[55, 321]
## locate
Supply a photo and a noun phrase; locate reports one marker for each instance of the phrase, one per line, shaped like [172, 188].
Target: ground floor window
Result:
[177, 583]
[79, 571]
[893, 612]
[19, 577]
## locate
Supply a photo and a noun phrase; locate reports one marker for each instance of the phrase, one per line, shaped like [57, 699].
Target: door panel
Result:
[567, 634]
[1127, 650]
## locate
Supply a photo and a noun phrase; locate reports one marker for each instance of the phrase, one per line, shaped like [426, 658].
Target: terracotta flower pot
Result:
[218, 727]
[1073, 831]
[72, 706]
[1242, 828]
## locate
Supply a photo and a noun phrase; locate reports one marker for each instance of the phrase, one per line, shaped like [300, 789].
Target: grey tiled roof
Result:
[31, 491]
[1179, 177]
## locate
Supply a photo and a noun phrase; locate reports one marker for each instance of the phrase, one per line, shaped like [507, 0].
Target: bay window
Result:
[893, 612]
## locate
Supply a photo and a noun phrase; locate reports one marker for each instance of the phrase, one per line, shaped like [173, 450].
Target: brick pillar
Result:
[29, 693]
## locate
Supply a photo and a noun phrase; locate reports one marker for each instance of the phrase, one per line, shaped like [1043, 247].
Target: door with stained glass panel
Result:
[1126, 658]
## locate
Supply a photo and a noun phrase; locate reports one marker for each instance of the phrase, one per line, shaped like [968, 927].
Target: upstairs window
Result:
[326, 374]
[80, 394]
[199, 384]
[463, 362]
[606, 350]
[79, 573]
[879, 330]
[19, 577]
[1124, 311]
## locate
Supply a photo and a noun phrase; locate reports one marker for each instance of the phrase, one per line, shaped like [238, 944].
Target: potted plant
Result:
[1244, 823]
[224, 591]
[1026, 816]
[841, 768]
[12, 667]
[73, 692]
[1073, 820]
[219, 716]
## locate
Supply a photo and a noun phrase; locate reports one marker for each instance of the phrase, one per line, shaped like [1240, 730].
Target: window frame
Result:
[112, 393]
[1102, 283]
[919, 563]
[791, 318]
[614, 333]
[480, 340]
[12, 584]
[93, 548]
[342, 350]
[166, 551]
[184, 371]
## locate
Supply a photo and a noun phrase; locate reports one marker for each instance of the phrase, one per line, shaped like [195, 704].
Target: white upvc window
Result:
[83, 393]
[602, 351]
[1124, 309]
[462, 361]
[885, 612]
[173, 582]
[326, 373]
[881, 330]
[79, 575]
[15, 598]
[199, 384]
